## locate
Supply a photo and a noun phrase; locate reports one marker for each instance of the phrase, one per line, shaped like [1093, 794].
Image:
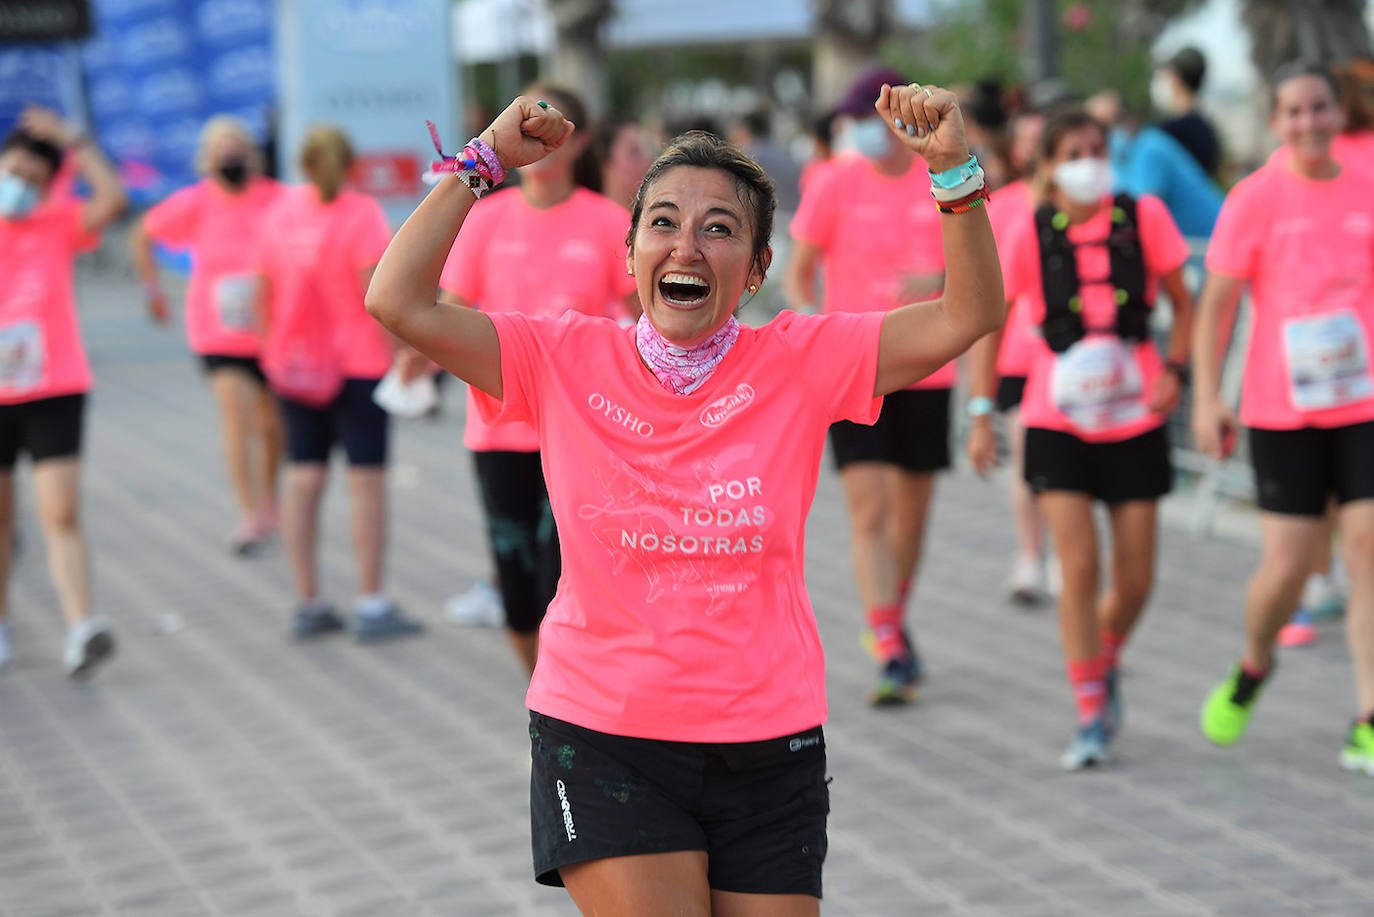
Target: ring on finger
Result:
[929, 93]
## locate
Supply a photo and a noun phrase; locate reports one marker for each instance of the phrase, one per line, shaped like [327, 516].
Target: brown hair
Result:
[586, 171]
[326, 158]
[1356, 80]
[1296, 69]
[707, 151]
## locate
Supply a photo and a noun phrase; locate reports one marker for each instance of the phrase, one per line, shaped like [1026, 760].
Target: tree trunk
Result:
[848, 35]
[578, 58]
[1326, 31]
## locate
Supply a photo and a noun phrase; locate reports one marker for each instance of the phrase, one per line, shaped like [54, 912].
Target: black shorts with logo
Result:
[48, 428]
[1138, 468]
[912, 432]
[1296, 471]
[759, 808]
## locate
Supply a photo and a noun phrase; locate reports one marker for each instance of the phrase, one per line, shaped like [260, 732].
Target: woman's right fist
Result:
[526, 132]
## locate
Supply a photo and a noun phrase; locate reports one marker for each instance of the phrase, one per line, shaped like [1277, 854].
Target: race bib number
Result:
[234, 302]
[1097, 385]
[21, 356]
[1328, 362]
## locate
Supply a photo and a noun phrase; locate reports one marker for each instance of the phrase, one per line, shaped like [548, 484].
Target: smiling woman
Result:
[681, 457]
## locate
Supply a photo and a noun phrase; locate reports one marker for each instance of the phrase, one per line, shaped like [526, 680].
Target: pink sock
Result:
[885, 621]
[1112, 643]
[1089, 692]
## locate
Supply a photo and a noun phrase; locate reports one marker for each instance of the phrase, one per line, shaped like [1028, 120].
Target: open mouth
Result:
[683, 289]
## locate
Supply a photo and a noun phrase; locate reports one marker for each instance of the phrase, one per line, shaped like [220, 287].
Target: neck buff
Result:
[683, 370]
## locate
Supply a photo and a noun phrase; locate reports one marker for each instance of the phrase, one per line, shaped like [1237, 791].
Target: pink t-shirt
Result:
[1098, 389]
[315, 253]
[1010, 208]
[511, 257]
[873, 231]
[41, 354]
[682, 613]
[220, 230]
[1307, 250]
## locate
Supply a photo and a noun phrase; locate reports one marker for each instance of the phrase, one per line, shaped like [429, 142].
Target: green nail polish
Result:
[543, 104]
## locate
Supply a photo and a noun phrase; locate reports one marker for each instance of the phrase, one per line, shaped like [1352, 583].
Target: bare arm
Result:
[1167, 390]
[799, 282]
[982, 439]
[1214, 425]
[145, 265]
[918, 339]
[107, 198]
[403, 295]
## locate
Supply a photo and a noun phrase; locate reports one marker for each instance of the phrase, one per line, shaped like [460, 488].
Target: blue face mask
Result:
[871, 138]
[17, 197]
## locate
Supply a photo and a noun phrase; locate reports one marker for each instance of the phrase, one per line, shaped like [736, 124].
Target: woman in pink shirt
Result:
[1000, 378]
[323, 356]
[863, 219]
[44, 376]
[217, 220]
[1087, 269]
[1300, 234]
[557, 216]
[676, 708]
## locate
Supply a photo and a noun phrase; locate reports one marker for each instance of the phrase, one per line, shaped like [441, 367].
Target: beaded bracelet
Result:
[964, 205]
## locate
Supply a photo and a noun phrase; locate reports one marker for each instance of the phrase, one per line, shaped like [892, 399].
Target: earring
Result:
[630, 271]
[753, 288]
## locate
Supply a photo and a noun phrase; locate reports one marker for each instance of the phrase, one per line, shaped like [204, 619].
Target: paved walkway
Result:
[215, 768]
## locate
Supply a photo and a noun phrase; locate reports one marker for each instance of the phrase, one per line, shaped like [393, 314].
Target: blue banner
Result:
[157, 70]
[37, 75]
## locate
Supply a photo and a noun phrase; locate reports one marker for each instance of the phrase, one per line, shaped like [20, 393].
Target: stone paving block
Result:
[275, 778]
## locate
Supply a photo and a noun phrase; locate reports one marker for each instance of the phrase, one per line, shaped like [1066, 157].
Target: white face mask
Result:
[1162, 92]
[1084, 181]
[18, 198]
[870, 137]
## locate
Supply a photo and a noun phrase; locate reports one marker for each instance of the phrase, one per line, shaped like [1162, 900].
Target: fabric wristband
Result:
[968, 186]
[953, 178]
[981, 406]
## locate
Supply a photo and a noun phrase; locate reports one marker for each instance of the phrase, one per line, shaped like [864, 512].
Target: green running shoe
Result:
[896, 683]
[1227, 710]
[1358, 753]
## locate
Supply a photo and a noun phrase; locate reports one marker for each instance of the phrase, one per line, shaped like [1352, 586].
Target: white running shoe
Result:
[1026, 585]
[6, 648]
[1322, 597]
[480, 606]
[89, 642]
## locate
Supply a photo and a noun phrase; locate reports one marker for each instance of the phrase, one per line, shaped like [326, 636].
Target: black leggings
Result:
[521, 533]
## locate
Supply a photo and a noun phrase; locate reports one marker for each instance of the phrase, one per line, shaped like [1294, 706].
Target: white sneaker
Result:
[1026, 585]
[480, 606]
[89, 642]
[1321, 597]
[6, 648]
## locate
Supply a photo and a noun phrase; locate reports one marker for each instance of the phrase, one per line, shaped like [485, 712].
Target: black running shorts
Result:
[1010, 391]
[1296, 471]
[912, 433]
[353, 419]
[214, 362]
[758, 808]
[48, 428]
[1134, 469]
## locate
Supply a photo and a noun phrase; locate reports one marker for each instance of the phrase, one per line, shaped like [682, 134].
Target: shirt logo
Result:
[716, 413]
[618, 415]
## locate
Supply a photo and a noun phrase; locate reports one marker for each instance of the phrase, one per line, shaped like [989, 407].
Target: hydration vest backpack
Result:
[1063, 324]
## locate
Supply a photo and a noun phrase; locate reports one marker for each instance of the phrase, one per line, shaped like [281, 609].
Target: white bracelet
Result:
[961, 190]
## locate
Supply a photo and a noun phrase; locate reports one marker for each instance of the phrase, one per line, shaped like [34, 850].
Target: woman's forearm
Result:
[405, 284]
